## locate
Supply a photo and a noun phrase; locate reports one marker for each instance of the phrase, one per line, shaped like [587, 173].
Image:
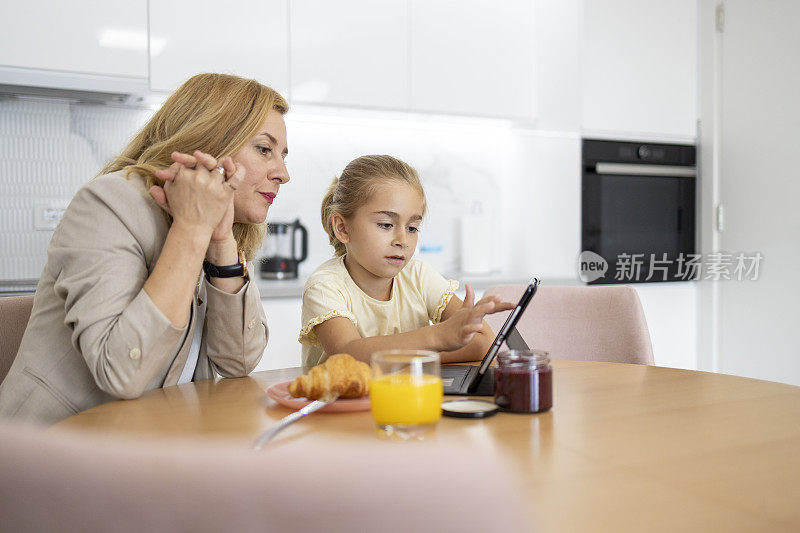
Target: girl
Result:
[372, 295]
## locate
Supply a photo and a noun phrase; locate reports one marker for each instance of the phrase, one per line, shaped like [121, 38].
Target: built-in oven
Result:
[638, 211]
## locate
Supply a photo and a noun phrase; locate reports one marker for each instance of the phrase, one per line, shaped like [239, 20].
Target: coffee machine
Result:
[280, 246]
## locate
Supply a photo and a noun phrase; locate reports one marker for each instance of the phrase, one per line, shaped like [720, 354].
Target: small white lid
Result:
[469, 408]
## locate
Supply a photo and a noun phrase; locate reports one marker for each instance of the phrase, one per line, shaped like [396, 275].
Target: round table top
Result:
[625, 447]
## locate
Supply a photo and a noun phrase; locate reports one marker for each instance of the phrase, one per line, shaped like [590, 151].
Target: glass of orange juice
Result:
[405, 393]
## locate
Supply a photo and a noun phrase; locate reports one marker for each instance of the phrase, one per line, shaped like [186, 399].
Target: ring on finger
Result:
[231, 185]
[221, 171]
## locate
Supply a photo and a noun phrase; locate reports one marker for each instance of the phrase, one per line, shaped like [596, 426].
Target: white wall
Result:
[527, 180]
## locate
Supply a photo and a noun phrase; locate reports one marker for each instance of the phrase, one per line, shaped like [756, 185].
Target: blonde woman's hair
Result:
[355, 186]
[214, 113]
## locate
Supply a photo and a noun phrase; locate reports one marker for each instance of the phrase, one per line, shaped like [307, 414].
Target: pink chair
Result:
[57, 481]
[605, 323]
[14, 314]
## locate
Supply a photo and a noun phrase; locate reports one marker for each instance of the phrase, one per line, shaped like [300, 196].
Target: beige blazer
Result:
[95, 335]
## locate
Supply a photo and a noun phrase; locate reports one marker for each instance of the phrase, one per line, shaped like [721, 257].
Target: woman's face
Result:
[265, 171]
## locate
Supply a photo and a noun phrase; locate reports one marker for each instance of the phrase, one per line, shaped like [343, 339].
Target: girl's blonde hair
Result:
[354, 187]
[214, 113]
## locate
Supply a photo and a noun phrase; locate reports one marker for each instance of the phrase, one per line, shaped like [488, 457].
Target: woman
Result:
[145, 283]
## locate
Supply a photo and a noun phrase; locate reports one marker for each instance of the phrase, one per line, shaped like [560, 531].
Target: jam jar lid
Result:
[523, 358]
[469, 408]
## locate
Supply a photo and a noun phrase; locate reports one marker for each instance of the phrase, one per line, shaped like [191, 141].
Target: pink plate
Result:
[280, 393]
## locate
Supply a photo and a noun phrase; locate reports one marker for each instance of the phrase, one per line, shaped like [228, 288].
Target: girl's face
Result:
[381, 236]
[262, 158]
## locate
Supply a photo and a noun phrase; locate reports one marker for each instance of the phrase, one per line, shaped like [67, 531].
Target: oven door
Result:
[642, 225]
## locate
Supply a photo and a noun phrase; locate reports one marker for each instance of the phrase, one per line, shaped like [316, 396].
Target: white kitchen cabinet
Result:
[283, 320]
[639, 64]
[467, 58]
[241, 37]
[100, 38]
[350, 52]
[442, 56]
[671, 313]
[559, 46]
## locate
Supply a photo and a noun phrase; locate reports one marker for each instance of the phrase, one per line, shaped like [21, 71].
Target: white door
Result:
[760, 187]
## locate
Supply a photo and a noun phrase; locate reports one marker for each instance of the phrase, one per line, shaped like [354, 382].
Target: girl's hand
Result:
[462, 326]
[195, 193]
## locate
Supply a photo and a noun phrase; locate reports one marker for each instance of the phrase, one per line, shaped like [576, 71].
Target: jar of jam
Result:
[523, 381]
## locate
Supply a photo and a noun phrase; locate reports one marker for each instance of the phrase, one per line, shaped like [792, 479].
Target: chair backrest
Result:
[58, 481]
[605, 323]
[14, 314]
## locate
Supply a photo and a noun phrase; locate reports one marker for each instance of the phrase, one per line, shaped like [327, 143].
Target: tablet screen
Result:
[509, 324]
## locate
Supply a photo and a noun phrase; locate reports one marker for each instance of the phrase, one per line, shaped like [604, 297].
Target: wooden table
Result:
[625, 448]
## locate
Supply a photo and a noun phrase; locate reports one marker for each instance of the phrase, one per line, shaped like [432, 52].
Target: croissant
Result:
[339, 374]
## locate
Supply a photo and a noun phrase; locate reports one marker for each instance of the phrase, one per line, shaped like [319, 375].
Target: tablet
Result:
[478, 380]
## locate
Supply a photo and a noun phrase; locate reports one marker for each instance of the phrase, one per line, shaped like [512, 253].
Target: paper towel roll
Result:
[476, 253]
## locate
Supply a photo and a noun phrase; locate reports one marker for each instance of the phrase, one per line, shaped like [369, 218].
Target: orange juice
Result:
[403, 399]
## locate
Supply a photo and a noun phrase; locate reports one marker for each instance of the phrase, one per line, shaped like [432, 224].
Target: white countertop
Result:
[293, 288]
[280, 288]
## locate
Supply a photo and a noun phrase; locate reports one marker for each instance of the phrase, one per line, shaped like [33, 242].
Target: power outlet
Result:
[47, 215]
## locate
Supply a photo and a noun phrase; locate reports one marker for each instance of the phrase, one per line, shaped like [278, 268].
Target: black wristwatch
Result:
[227, 271]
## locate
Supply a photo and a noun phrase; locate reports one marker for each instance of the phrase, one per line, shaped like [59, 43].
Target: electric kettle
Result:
[280, 260]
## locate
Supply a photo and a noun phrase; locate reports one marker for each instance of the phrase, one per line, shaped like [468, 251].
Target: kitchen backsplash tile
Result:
[48, 149]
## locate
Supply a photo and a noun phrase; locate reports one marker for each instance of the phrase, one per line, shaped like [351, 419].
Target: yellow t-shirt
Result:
[419, 295]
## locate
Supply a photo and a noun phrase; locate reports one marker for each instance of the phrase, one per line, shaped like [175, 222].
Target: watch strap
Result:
[226, 271]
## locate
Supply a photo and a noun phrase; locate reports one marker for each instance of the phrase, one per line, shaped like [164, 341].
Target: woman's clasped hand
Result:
[198, 192]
